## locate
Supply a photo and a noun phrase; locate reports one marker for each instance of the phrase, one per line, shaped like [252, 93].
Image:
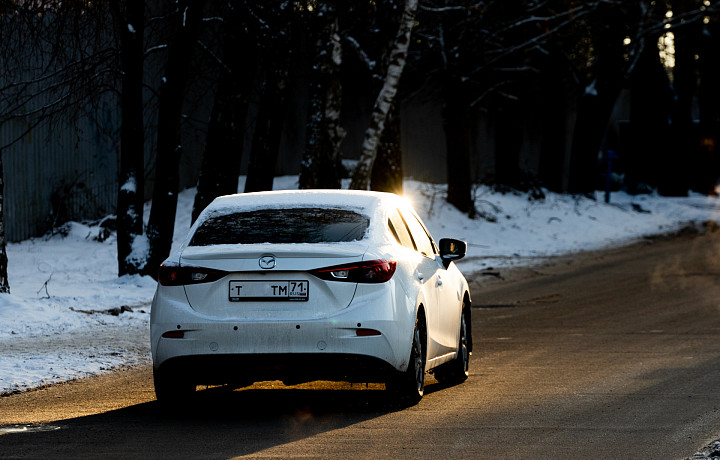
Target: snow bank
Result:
[559, 224]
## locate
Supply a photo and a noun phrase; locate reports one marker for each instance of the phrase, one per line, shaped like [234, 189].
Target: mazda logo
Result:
[267, 262]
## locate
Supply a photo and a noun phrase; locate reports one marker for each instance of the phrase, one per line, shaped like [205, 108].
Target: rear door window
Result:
[400, 231]
[289, 225]
[420, 235]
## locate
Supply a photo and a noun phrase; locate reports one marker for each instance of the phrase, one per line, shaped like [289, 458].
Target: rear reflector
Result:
[366, 332]
[371, 271]
[175, 275]
[173, 335]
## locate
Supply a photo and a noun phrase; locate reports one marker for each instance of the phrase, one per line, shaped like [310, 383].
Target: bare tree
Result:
[385, 99]
[161, 224]
[268, 128]
[624, 38]
[220, 166]
[322, 163]
[130, 23]
[275, 28]
[56, 60]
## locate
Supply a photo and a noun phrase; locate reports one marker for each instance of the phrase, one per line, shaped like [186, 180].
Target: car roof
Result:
[350, 199]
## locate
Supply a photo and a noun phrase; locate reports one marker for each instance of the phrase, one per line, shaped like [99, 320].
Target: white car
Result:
[310, 285]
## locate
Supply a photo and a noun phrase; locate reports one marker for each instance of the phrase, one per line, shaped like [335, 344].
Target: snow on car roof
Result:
[350, 199]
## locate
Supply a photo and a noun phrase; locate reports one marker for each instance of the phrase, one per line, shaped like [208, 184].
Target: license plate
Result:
[268, 290]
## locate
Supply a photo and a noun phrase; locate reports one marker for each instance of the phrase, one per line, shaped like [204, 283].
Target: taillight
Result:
[175, 275]
[372, 271]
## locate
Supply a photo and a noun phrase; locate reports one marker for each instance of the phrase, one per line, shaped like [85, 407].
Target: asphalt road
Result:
[607, 355]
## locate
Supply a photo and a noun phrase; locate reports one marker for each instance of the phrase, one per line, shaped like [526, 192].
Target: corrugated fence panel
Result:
[60, 172]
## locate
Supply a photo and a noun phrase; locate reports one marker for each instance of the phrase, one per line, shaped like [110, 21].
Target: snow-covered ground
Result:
[70, 316]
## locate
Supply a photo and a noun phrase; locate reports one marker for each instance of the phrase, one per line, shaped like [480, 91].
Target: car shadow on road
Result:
[269, 403]
[218, 423]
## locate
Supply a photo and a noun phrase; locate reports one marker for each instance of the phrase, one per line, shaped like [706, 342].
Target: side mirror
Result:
[451, 250]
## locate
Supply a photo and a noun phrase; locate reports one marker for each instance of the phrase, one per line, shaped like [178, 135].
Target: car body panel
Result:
[243, 264]
[195, 324]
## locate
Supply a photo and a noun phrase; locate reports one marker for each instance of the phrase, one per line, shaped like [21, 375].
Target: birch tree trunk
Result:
[132, 140]
[398, 54]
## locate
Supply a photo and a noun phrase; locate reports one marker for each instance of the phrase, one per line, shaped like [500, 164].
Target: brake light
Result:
[175, 275]
[371, 271]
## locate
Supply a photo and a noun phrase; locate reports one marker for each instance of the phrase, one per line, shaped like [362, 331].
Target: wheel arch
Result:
[420, 314]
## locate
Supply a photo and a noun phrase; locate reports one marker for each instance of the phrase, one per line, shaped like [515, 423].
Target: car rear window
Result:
[291, 225]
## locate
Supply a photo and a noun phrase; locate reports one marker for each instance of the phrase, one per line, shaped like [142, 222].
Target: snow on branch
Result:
[524, 68]
[362, 56]
[152, 49]
[449, 9]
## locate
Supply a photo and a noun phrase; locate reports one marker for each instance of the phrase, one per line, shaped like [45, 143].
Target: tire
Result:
[409, 386]
[457, 370]
[171, 389]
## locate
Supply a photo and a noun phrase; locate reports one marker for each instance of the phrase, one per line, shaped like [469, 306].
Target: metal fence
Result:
[58, 172]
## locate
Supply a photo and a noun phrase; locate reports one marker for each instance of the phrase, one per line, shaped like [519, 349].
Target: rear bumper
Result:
[327, 347]
[291, 368]
[334, 342]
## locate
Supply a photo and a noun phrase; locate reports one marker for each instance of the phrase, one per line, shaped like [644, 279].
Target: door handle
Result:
[419, 275]
[439, 281]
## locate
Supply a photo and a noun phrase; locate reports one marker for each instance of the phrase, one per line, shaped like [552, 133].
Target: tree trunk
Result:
[549, 105]
[387, 172]
[220, 166]
[131, 181]
[4, 284]
[508, 142]
[679, 167]
[226, 131]
[552, 147]
[709, 94]
[684, 132]
[161, 224]
[322, 163]
[268, 131]
[597, 101]
[649, 111]
[709, 101]
[593, 115]
[456, 113]
[398, 54]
